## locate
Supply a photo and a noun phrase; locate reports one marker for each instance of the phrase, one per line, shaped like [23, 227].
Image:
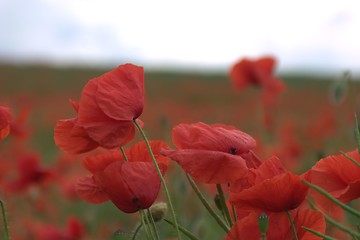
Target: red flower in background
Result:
[212, 153]
[131, 185]
[259, 72]
[338, 175]
[30, 172]
[5, 120]
[74, 230]
[279, 226]
[107, 108]
[269, 188]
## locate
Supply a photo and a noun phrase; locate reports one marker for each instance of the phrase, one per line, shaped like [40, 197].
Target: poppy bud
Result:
[263, 223]
[158, 211]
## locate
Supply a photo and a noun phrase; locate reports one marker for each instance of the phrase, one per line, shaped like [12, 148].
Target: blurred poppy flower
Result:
[107, 108]
[212, 153]
[131, 185]
[279, 226]
[74, 230]
[268, 188]
[5, 120]
[30, 172]
[257, 72]
[18, 126]
[338, 175]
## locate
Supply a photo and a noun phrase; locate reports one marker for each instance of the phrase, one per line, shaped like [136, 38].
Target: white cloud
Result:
[306, 33]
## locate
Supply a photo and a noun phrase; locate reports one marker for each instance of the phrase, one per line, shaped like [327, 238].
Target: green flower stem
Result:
[234, 212]
[183, 230]
[319, 234]
[331, 198]
[124, 154]
[357, 132]
[136, 231]
[6, 226]
[350, 158]
[263, 236]
[161, 177]
[218, 219]
[333, 222]
[224, 207]
[148, 231]
[151, 219]
[292, 225]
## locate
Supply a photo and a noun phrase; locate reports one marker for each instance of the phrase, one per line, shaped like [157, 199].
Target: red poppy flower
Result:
[257, 72]
[212, 153]
[131, 185]
[19, 130]
[30, 172]
[74, 230]
[279, 226]
[338, 175]
[5, 119]
[269, 188]
[107, 108]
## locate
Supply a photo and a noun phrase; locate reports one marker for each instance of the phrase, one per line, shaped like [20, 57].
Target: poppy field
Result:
[132, 153]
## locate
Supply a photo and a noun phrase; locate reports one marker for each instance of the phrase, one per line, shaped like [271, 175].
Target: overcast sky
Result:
[303, 35]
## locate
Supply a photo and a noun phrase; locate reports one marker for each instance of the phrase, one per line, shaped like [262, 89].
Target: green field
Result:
[305, 113]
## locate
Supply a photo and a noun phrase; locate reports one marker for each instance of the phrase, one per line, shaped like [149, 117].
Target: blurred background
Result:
[50, 49]
[306, 36]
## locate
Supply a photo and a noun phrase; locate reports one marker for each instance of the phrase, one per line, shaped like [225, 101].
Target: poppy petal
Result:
[209, 166]
[130, 185]
[279, 193]
[90, 191]
[341, 175]
[5, 119]
[107, 132]
[212, 137]
[120, 93]
[99, 162]
[72, 138]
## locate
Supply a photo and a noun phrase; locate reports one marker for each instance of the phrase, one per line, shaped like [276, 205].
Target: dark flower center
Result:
[233, 151]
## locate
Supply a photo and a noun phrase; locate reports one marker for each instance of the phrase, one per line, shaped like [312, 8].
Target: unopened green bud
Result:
[263, 222]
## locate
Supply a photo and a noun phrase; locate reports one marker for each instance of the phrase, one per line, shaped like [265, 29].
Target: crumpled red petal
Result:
[209, 166]
[130, 185]
[88, 190]
[72, 138]
[212, 137]
[107, 132]
[279, 193]
[120, 93]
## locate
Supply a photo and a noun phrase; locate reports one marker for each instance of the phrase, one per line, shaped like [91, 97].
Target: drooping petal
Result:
[107, 132]
[338, 175]
[5, 119]
[98, 163]
[130, 185]
[88, 190]
[311, 219]
[279, 193]
[268, 169]
[72, 138]
[140, 152]
[120, 93]
[209, 166]
[241, 74]
[215, 137]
